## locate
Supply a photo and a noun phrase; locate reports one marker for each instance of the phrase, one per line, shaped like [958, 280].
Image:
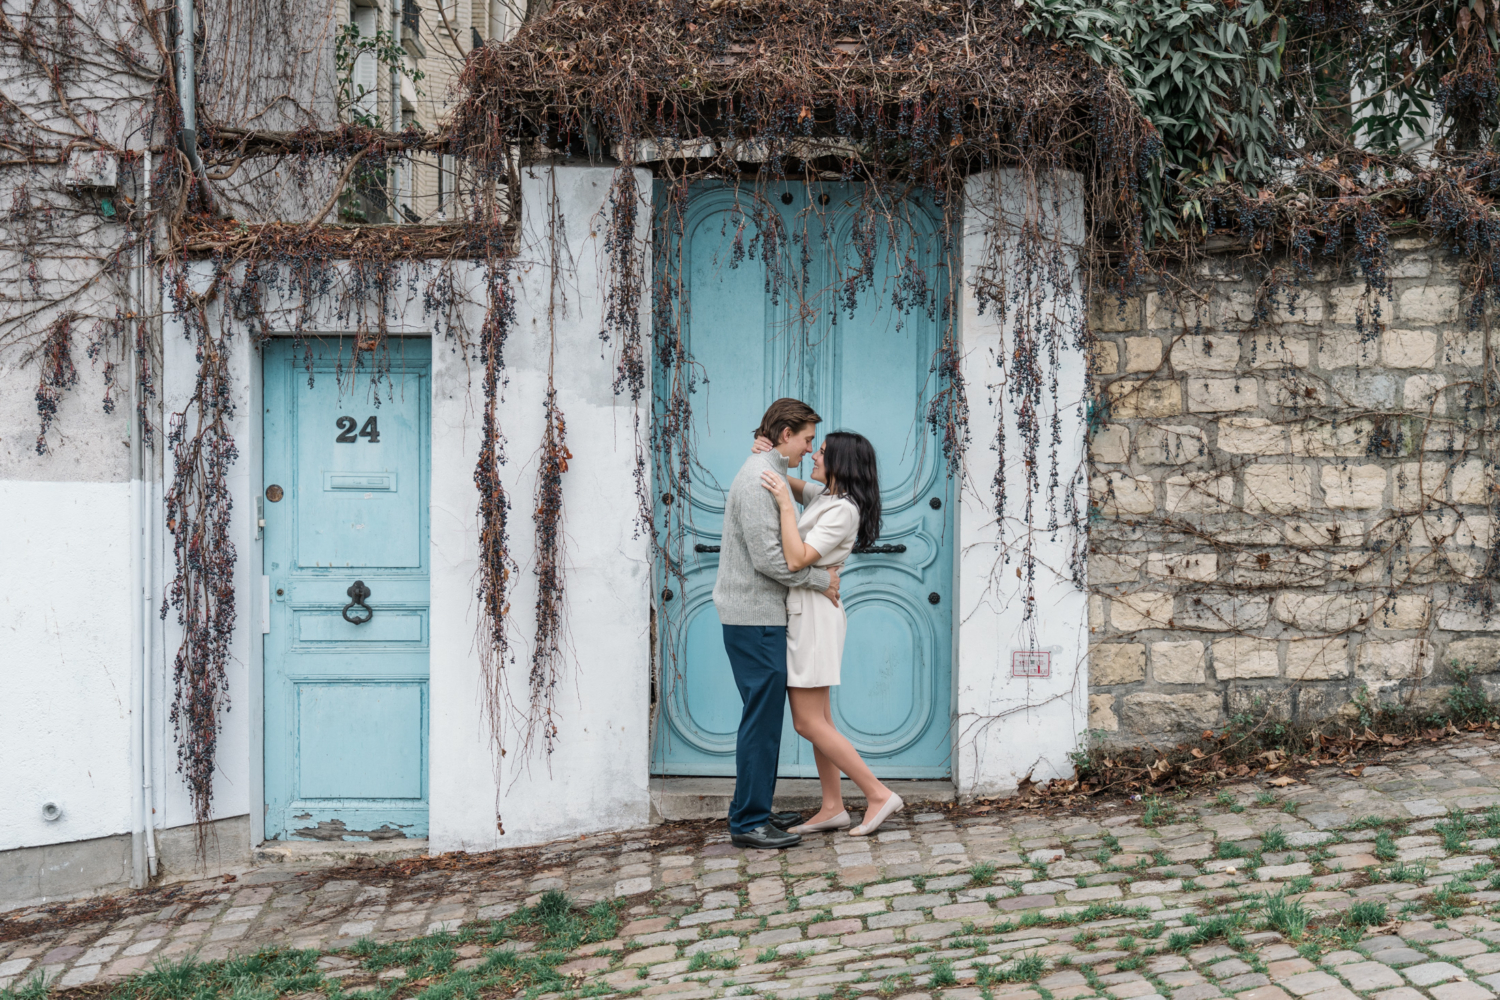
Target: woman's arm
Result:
[760, 445]
[799, 555]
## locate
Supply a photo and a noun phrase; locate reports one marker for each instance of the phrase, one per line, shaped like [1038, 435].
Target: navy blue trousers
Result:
[757, 655]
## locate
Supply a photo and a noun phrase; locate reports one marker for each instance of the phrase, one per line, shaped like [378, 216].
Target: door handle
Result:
[700, 547]
[357, 593]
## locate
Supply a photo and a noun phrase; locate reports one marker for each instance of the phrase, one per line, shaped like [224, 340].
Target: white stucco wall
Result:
[596, 779]
[65, 665]
[1007, 727]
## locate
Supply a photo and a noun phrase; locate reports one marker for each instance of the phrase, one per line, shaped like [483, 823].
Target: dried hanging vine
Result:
[59, 374]
[199, 508]
[624, 297]
[496, 563]
[547, 518]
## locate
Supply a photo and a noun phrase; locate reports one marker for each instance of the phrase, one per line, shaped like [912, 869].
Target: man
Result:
[750, 595]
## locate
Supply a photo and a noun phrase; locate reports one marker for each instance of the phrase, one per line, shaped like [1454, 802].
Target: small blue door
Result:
[346, 491]
[828, 333]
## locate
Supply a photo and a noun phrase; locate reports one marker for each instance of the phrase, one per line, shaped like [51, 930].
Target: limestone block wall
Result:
[1291, 497]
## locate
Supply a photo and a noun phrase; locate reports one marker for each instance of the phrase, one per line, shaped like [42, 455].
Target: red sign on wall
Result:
[1030, 664]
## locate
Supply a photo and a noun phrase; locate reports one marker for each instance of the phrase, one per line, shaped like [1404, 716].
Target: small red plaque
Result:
[1030, 664]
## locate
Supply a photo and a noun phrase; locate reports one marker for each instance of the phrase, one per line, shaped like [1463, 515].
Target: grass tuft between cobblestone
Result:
[417, 969]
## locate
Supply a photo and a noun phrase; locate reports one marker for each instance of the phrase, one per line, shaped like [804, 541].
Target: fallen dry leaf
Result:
[1283, 781]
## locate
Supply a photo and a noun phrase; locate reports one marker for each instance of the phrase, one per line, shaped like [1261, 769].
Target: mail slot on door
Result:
[367, 482]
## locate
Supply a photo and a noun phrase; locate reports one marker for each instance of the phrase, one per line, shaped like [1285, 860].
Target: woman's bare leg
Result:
[829, 775]
[828, 780]
[812, 716]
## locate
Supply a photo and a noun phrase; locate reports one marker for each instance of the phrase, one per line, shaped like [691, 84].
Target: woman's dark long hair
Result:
[849, 464]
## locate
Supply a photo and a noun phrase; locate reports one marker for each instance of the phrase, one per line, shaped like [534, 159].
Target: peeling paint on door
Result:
[334, 829]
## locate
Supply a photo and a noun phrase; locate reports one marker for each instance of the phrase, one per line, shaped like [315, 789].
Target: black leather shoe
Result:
[765, 838]
[785, 821]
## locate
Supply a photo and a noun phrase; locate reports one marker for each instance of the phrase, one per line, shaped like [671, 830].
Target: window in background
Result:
[503, 17]
[366, 72]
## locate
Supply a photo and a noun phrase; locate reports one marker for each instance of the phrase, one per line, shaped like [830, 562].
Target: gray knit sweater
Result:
[753, 576]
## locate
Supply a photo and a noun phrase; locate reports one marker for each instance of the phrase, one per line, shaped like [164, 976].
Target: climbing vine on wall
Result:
[55, 359]
[496, 563]
[199, 509]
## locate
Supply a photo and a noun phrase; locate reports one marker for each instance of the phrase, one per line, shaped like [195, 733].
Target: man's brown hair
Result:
[785, 414]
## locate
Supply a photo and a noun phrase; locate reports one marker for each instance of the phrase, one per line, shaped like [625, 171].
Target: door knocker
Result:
[358, 592]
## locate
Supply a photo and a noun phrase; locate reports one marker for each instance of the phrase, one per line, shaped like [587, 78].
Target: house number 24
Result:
[370, 430]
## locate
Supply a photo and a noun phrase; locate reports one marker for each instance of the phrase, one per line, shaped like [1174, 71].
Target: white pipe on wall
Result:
[140, 760]
[139, 831]
[141, 545]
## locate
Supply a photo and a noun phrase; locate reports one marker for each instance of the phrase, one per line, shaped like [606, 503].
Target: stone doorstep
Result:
[336, 853]
[708, 798]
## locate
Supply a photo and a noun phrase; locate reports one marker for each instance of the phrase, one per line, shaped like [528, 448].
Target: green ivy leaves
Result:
[1200, 71]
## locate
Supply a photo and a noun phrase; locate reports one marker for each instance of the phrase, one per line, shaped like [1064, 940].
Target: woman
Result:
[841, 507]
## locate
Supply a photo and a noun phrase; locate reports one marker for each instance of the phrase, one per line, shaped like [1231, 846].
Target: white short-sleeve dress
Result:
[815, 625]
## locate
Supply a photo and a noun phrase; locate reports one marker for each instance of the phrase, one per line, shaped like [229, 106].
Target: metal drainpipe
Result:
[395, 167]
[187, 86]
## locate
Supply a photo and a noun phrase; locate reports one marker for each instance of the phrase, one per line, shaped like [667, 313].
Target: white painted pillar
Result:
[596, 779]
[1008, 727]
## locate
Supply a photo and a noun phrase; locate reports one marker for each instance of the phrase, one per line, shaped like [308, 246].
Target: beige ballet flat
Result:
[839, 822]
[892, 804]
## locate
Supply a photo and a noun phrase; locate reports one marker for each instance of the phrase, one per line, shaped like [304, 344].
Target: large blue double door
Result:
[346, 557]
[818, 322]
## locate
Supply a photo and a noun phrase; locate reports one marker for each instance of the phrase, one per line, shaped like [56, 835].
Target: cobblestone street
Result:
[1188, 899]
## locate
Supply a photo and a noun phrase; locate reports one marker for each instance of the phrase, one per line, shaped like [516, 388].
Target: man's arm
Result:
[760, 523]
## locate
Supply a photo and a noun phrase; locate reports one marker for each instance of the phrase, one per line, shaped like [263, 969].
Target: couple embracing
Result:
[777, 594]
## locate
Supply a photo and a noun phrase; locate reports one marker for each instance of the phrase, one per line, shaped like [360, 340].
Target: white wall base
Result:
[65, 606]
